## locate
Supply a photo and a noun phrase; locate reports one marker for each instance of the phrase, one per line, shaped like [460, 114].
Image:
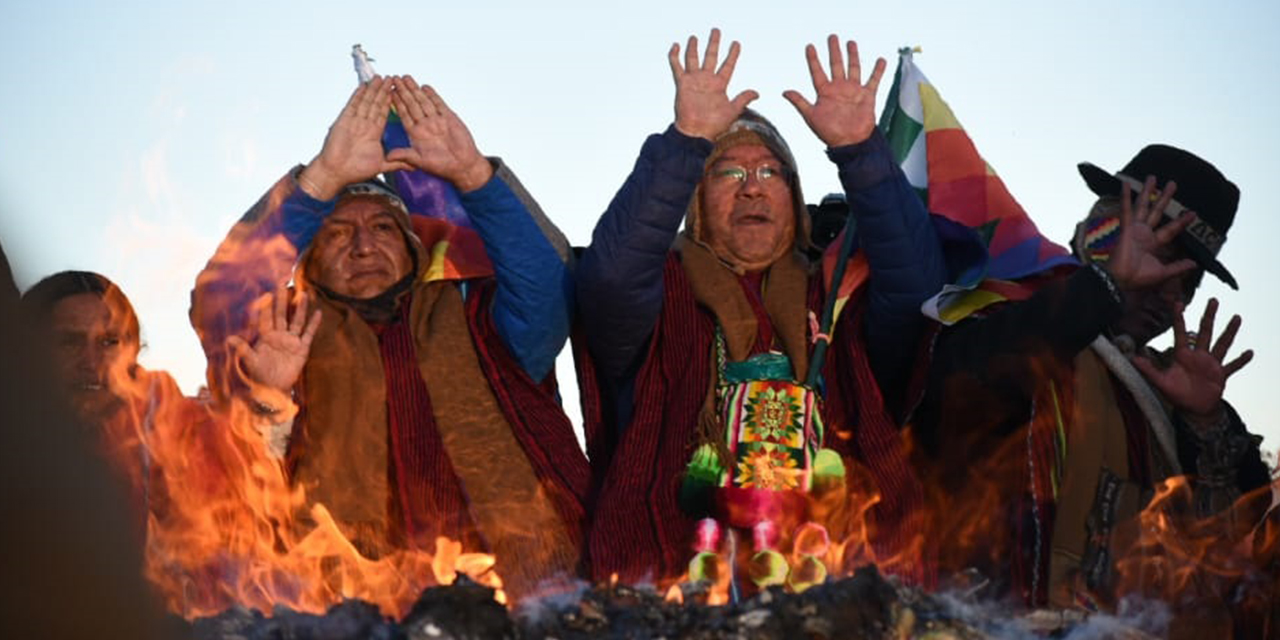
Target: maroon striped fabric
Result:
[432, 501]
[753, 286]
[638, 530]
[536, 418]
[853, 404]
[601, 438]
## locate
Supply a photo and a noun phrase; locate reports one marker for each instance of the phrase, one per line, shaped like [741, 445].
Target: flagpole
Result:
[823, 338]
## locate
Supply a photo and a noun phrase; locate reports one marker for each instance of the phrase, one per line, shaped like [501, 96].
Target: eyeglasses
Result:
[735, 175]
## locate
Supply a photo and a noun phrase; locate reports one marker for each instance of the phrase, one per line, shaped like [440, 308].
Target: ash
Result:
[865, 605]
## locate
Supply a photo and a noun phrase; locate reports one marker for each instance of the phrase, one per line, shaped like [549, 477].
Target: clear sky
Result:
[132, 135]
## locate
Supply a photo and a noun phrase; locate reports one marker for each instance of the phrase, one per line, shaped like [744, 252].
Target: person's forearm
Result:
[257, 256]
[1013, 344]
[901, 247]
[1226, 458]
[620, 275]
[533, 298]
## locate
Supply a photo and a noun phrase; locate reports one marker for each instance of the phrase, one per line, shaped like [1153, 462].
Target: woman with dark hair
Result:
[63, 515]
[149, 432]
[94, 339]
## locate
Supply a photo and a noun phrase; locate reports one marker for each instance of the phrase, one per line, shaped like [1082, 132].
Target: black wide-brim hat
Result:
[1201, 189]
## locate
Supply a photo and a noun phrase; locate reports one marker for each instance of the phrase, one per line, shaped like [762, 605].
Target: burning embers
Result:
[862, 606]
[222, 551]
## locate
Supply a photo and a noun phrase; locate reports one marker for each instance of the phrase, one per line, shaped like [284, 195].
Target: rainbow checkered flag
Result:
[942, 163]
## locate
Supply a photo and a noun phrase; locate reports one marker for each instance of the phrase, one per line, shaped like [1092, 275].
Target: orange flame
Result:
[1174, 554]
[231, 533]
[809, 554]
[232, 528]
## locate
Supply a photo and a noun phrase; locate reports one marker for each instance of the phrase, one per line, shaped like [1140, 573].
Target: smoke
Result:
[1000, 619]
[1150, 616]
[556, 594]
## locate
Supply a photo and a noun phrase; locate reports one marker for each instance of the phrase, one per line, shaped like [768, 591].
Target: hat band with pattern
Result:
[1198, 229]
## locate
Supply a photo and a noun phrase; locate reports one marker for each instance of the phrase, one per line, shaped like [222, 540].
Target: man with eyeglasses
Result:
[1056, 410]
[702, 339]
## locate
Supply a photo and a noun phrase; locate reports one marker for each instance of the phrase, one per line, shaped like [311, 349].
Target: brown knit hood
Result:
[753, 128]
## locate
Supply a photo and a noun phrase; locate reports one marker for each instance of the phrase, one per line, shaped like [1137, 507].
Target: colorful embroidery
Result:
[773, 432]
[774, 415]
[766, 467]
[1100, 236]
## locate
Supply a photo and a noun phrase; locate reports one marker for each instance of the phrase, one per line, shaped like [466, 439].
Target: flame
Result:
[1177, 556]
[235, 531]
[226, 526]
[810, 555]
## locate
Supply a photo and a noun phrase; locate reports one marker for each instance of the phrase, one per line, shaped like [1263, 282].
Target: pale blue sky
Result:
[133, 134]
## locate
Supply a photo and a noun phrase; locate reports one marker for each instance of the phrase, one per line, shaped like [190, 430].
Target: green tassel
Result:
[827, 466]
[702, 475]
[809, 571]
[768, 568]
[704, 567]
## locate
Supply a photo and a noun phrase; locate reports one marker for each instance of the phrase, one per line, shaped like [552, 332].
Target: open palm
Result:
[1135, 262]
[1196, 379]
[844, 111]
[277, 356]
[703, 107]
[439, 142]
[352, 150]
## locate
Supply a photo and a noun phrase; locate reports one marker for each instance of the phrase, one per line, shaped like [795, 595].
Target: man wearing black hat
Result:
[1056, 415]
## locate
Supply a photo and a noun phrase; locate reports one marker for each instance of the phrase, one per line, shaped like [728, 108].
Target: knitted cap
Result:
[751, 128]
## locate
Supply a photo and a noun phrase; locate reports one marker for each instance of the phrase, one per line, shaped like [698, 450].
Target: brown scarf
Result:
[345, 461]
[343, 458]
[715, 286]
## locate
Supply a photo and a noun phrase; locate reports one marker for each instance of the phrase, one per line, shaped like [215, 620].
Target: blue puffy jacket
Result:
[531, 261]
[620, 275]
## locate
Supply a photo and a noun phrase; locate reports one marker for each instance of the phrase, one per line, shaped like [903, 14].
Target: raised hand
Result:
[845, 109]
[280, 351]
[1134, 262]
[440, 143]
[703, 107]
[1195, 380]
[352, 150]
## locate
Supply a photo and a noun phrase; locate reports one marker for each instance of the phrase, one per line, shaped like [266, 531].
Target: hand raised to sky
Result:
[352, 150]
[844, 111]
[1196, 379]
[1134, 262]
[703, 107]
[439, 142]
[277, 356]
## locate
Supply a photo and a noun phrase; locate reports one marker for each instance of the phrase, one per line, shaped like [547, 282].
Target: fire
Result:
[227, 527]
[1217, 572]
[234, 531]
[730, 566]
